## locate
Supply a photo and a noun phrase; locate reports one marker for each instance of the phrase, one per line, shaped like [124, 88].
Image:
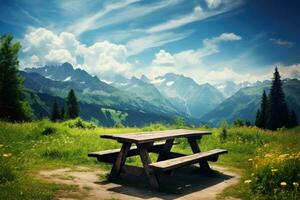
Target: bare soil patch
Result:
[187, 183]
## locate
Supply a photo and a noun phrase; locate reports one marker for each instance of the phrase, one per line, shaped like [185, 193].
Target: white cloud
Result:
[140, 44]
[281, 42]
[197, 14]
[163, 58]
[180, 21]
[101, 19]
[212, 4]
[42, 46]
[90, 22]
[189, 62]
[291, 71]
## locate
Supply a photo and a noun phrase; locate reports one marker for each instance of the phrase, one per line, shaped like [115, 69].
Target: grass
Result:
[29, 147]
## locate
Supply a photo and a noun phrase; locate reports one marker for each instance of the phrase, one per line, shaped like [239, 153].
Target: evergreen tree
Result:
[12, 108]
[62, 113]
[263, 111]
[293, 119]
[72, 105]
[278, 111]
[257, 119]
[55, 115]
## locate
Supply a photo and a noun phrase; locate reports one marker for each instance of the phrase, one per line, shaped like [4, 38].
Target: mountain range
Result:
[139, 101]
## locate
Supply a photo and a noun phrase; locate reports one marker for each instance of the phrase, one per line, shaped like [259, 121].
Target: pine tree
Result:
[55, 115]
[62, 113]
[72, 105]
[257, 119]
[12, 108]
[293, 119]
[278, 110]
[263, 111]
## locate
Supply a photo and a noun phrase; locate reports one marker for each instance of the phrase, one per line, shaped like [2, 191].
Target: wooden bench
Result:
[170, 164]
[110, 156]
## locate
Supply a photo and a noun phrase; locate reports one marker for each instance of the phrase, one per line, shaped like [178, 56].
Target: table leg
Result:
[120, 161]
[195, 148]
[164, 154]
[144, 154]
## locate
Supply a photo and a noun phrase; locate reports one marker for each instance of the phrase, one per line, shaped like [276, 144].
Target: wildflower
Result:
[1, 145]
[250, 159]
[247, 181]
[283, 184]
[7, 154]
[252, 174]
[274, 170]
[295, 184]
[284, 155]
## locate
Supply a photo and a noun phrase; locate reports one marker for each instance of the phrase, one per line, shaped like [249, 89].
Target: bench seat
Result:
[187, 160]
[110, 156]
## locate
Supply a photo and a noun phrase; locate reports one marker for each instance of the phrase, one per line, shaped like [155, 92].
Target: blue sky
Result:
[209, 40]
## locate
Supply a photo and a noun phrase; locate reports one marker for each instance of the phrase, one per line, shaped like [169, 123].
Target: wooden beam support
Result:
[120, 161]
[144, 154]
[195, 148]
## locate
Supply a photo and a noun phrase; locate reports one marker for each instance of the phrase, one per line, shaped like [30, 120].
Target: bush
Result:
[79, 123]
[180, 122]
[49, 131]
[155, 127]
[223, 133]
[119, 125]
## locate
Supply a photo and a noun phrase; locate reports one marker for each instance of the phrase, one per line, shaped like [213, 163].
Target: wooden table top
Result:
[145, 137]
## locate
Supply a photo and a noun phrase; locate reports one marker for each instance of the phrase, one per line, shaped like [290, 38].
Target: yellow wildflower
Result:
[283, 184]
[274, 170]
[250, 159]
[7, 154]
[247, 181]
[284, 155]
[295, 184]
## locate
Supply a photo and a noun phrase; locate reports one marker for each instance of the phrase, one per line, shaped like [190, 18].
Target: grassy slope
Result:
[24, 150]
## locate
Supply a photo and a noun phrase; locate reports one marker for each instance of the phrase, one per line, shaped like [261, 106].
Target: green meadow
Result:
[268, 161]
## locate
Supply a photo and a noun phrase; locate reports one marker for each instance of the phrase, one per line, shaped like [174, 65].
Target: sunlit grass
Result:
[29, 147]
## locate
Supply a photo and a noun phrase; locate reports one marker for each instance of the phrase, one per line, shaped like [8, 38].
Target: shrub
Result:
[180, 122]
[223, 133]
[155, 127]
[49, 131]
[119, 125]
[79, 123]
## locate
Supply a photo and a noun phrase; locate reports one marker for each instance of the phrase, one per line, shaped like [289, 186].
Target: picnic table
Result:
[143, 143]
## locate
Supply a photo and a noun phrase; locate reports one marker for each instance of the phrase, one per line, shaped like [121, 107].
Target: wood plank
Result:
[110, 156]
[144, 154]
[164, 153]
[196, 149]
[186, 160]
[146, 137]
[120, 161]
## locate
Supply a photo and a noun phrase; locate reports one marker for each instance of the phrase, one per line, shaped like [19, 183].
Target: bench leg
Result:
[120, 161]
[164, 154]
[144, 154]
[195, 148]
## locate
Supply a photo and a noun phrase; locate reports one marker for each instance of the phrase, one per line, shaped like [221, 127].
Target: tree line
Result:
[274, 112]
[68, 111]
[13, 107]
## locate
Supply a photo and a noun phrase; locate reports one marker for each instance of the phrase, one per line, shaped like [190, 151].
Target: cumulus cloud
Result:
[42, 46]
[291, 71]
[190, 62]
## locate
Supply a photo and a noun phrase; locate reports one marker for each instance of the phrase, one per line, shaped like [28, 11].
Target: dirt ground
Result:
[187, 184]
